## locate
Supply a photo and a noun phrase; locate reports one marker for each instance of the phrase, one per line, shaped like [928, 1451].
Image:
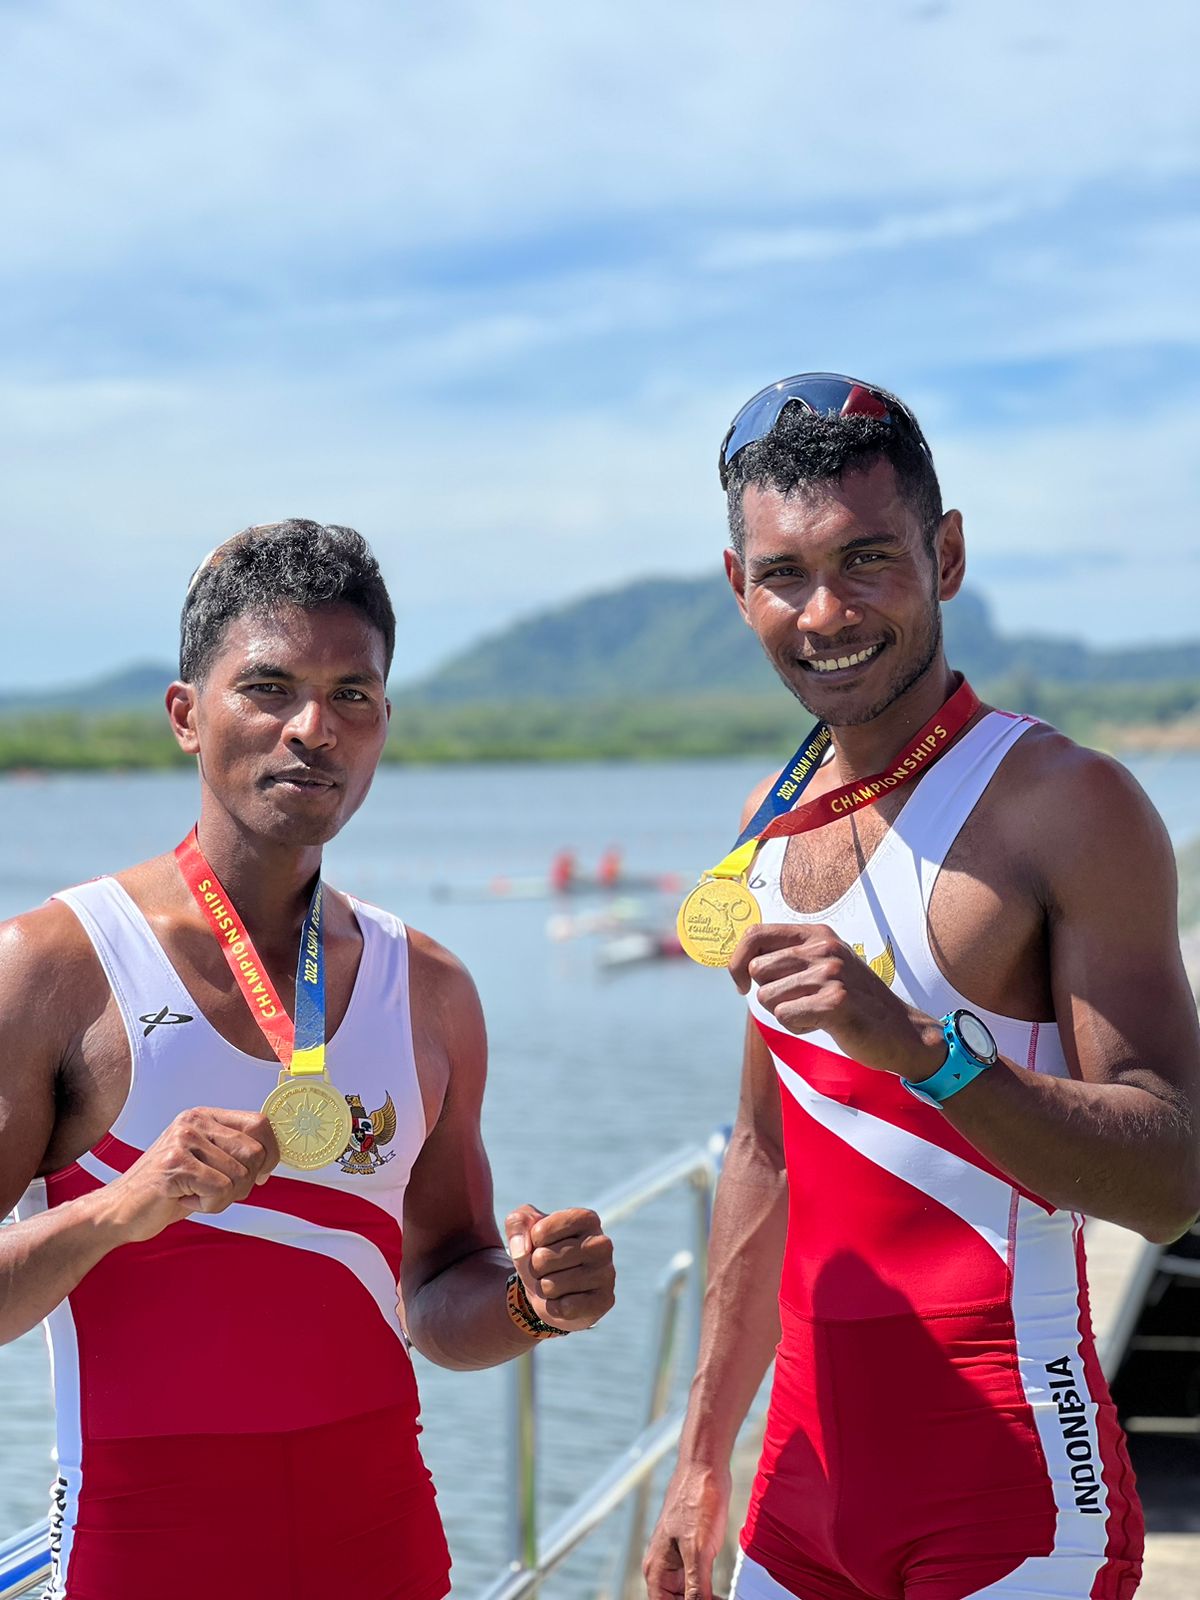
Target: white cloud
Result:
[1085, 530]
[488, 282]
[1075, 528]
[268, 136]
[472, 523]
[780, 246]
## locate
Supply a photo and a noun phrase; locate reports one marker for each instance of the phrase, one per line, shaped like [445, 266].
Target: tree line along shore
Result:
[1129, 717]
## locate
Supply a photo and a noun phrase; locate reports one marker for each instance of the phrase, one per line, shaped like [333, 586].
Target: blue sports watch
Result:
[972, 1050]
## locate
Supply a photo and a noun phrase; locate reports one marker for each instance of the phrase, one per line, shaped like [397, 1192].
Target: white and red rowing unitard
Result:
[939, 1425]
[236, 1406]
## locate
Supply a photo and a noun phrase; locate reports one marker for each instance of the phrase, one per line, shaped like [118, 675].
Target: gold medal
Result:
[714, 917]
[310, 1119]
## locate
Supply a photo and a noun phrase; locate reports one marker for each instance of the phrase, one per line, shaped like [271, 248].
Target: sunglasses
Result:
[825, 394]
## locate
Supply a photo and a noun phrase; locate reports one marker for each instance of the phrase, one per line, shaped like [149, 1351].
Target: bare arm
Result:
[41, 1259]
[50, 1001]
[738, 1336]
[1121, 1140]
[455, 1267]
[1118, 1139]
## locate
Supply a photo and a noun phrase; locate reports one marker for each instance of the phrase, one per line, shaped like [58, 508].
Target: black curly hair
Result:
[295, 562]
[804, 449]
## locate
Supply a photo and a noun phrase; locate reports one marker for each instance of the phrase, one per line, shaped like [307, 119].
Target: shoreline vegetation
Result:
[1130, 718]
[1162, 719]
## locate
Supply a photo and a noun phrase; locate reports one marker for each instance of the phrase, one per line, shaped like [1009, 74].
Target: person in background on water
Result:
[236, 1405]
[608, 868]
[564, 871]
[969, 1028]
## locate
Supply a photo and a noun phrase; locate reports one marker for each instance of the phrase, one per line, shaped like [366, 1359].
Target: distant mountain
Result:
[655, 636]
[132, 689]
[666, 637]
[672, 636]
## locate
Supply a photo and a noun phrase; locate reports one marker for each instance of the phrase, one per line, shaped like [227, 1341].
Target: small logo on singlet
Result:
[369, 1132]
[162, 1019]
[883, 965]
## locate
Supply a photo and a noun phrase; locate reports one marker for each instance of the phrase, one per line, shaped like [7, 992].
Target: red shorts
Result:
[347, 1508]
[902, 1462]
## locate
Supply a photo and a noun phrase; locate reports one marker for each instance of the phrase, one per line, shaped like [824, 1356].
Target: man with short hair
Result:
[236, 1406]
[969, 1028]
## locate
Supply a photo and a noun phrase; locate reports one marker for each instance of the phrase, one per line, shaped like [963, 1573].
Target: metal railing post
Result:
[523, 1541]
[670, 1290]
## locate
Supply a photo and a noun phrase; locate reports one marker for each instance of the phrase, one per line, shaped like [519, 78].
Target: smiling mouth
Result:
[856, 658]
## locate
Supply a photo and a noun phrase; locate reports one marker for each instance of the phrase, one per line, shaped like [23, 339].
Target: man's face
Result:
[841, 573]
[290, 720]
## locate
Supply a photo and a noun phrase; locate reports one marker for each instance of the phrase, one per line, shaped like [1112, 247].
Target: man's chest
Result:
[985, 925]
[183, 1035]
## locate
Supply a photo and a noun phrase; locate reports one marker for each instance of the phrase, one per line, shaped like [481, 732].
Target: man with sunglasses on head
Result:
[240, 1196]
[969, 1029]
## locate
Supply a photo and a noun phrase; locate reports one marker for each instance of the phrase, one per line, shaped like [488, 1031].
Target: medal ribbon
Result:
[792, 781]
[773, 819]
[300, 1046]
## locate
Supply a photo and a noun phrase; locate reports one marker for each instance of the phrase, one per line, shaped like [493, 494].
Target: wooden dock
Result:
[1122, 1271]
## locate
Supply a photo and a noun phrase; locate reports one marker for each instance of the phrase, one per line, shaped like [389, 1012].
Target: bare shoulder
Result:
[436, 973]
[449, 1037]
[52, 990]
[1071, 783]
[447, 1015]
[1072, 810]
[48, 967]
[52, 928]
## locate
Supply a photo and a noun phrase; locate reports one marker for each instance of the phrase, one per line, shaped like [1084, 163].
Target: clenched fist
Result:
[205, 1160]
[810, 981]
[565, 1261]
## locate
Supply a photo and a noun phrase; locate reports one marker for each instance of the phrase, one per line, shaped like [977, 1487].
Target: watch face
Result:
[975, 1036]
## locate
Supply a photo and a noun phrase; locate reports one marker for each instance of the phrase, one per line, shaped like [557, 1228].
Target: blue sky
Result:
[488, 280]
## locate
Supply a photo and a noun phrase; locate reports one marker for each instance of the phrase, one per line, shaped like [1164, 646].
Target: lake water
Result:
[593, 1076]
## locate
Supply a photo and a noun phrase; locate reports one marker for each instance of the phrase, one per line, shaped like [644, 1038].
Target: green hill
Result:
[131, 689]
[680, 637]
[662, 667]
[665, 637]
[657, 636]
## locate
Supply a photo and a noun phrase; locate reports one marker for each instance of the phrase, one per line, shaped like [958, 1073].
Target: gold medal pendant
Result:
[714, 917]
[310, 1119]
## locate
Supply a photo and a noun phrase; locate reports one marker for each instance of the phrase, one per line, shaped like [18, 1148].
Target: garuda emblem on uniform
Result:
[882, 965]
[369, 1132]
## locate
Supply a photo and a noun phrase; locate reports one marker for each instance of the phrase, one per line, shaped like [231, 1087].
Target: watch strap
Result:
[958, 1070]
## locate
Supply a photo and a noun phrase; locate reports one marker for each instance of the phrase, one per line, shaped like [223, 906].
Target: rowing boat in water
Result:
[504, 888]
[639, 946]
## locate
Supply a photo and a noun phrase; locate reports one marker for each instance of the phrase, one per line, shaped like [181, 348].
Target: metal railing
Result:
[626, 1482]
[25, 1561]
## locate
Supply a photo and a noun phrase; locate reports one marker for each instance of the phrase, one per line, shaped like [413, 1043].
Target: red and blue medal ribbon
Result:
[776, 818]
[791, 782]
[921, 752]
[299, 1045]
